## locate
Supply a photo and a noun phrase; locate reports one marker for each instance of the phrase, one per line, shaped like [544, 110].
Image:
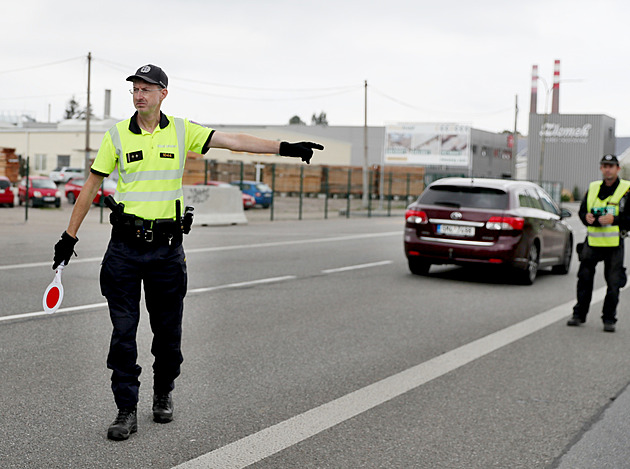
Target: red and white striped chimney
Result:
[555, 103]
[534, 99]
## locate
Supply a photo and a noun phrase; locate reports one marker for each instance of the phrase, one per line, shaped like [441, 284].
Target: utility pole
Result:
[87, 120]
[515, 139]
[365, 153]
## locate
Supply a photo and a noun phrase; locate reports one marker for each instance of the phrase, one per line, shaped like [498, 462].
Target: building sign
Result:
[428, 144]
[554, 133]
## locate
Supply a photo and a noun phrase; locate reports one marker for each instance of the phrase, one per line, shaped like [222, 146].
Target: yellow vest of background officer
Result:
[605, 236]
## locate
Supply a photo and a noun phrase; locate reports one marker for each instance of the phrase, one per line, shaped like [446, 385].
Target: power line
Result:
[249, 98]
[40, 65]
[126, 69]
[418, 108]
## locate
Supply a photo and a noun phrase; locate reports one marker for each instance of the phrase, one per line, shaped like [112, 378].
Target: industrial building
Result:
[566, 148]
[64, 144]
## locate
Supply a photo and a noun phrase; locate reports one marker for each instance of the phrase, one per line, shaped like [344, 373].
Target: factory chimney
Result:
[555, 103]
[108, 104]
[534, 98]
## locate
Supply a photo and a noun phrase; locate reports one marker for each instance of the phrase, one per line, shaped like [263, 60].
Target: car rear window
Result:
[4, 184]
[43, 184]
[462, 196]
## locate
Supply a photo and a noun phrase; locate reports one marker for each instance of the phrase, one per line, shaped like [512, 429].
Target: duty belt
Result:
[136, 229]
[133, 228]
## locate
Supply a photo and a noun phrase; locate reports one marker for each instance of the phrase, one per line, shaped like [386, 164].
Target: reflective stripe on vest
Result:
[156, 193]
[605, 236]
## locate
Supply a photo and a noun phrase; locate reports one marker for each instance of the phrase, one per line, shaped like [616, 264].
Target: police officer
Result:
[604, 211]
[150, 150]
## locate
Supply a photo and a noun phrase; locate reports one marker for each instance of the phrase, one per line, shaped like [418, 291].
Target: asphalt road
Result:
[307, 344]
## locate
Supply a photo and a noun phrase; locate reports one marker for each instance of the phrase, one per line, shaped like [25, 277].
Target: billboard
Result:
[436, 144]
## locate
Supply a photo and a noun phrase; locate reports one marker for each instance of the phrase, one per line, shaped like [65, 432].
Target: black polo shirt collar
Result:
[606, 191]
[135, 128]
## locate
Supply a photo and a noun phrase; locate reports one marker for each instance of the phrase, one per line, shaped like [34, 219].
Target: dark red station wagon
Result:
[507, 223]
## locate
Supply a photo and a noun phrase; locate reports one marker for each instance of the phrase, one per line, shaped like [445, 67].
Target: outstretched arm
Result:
[251, 144]
[243, 142]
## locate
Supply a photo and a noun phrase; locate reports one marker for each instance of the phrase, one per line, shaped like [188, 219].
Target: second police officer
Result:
[605, 212]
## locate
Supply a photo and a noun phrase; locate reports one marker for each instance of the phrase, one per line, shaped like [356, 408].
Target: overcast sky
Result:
[262, 62]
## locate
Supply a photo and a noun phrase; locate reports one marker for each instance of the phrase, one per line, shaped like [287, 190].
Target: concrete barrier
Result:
[215, 205]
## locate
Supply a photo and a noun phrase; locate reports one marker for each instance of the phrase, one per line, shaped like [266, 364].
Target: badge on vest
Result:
[134, 156]
[167, 155]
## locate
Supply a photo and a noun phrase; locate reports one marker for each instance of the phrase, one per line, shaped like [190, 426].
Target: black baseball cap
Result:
[609, 159]
[151, 74]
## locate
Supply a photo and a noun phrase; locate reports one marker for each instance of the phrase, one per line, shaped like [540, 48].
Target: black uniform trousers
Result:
[614, 273]
[162, 270]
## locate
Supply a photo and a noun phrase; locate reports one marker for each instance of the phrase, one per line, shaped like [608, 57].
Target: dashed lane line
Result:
[250, 283]
[226, 248]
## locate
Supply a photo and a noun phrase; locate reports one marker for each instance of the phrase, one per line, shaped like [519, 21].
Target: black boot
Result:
[575, 321]
[125, 424]
[162, 408]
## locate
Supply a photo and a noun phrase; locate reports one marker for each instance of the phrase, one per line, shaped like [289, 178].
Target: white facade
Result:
[64, 144]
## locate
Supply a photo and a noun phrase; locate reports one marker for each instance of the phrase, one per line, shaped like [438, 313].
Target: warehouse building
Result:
[49, 146]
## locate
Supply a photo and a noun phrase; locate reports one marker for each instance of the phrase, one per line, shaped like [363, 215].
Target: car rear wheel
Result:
[528, 276]
[563, 268]
[418, 266]
[71, 198]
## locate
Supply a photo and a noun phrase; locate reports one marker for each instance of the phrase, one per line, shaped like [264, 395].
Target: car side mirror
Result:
[565, 213]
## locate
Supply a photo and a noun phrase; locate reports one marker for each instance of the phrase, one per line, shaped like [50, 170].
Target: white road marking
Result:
[299, 241]
[48, 263]
[193, 291]
[225, 248]
[355, 267]
[60, 310]
[271, 440]
[243, 284]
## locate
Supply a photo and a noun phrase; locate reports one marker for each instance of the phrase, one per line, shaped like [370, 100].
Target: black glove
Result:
[302, 150]
[64, 249]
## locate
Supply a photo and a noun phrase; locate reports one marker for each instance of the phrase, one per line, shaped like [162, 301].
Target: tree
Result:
[319, 120]
[75, 111]
[295, 120]
[72, 109]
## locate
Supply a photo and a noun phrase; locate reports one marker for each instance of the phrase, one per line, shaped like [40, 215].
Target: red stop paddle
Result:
[54, 292]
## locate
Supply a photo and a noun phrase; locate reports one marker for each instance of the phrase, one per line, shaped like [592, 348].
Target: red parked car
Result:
[41, 191]
[7, 196]
[74, 186]
[463, 221]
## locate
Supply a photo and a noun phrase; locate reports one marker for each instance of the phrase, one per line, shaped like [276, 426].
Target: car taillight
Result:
[416, 216]
[505, 223]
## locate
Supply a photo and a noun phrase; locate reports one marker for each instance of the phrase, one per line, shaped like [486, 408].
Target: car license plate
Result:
[49, 199]
[455, 230]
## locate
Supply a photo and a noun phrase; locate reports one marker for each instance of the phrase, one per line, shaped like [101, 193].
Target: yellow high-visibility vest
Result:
[150, 165]
[605, 236]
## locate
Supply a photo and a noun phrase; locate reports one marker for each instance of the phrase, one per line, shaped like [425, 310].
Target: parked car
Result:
[41, 191]
[7, 197]
[109, 186]
[63, 174]
[260, 191]
[248, 200]
[72, 189]
[498, 222]
[74, 186]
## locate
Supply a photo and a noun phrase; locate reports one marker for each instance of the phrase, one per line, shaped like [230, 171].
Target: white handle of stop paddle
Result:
[54, 292]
